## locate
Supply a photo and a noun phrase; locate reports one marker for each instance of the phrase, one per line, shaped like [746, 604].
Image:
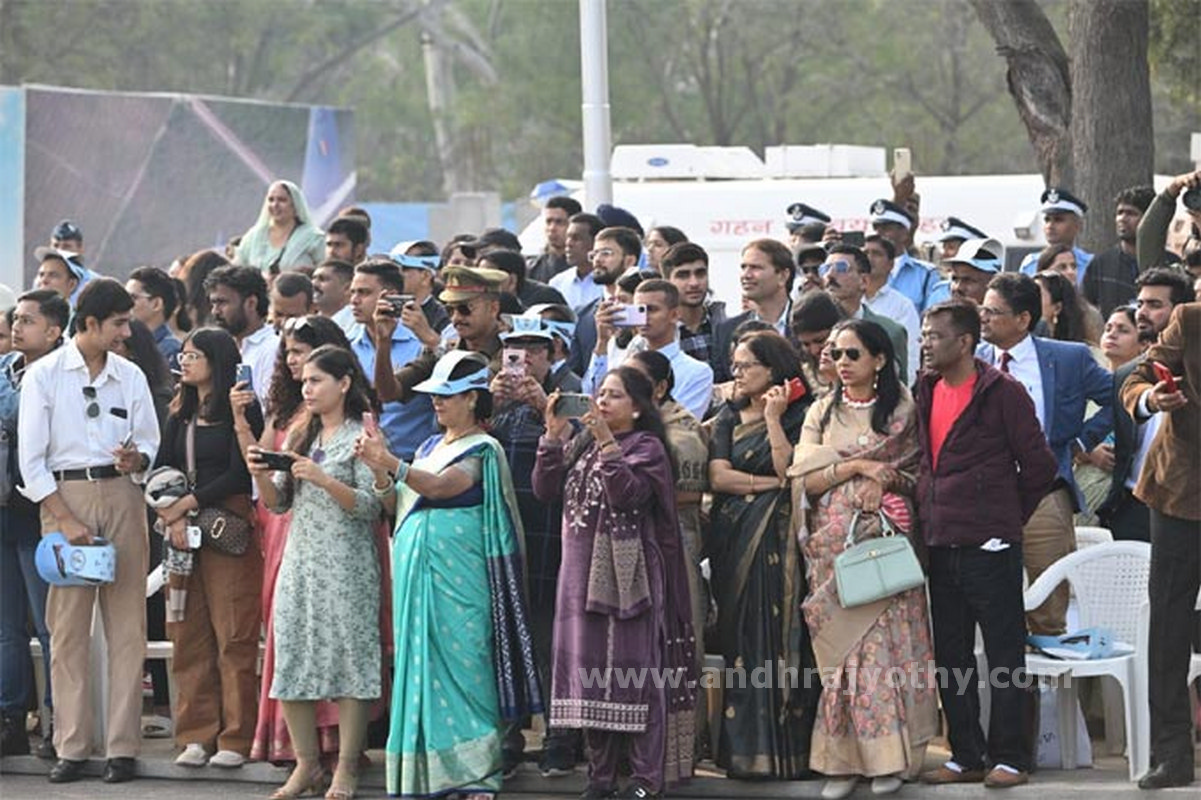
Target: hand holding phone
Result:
[274, 460]
[630, 316]
[514, 361]
[796, 389]
[1165, 375]
[370, 425]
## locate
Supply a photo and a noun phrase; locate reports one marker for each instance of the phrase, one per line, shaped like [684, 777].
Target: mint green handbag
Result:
[875, 568]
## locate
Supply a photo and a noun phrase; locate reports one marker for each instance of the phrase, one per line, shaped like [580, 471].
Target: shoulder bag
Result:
[221, 529]
[875, 568]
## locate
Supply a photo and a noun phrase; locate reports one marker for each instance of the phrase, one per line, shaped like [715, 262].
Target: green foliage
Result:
[754, 72]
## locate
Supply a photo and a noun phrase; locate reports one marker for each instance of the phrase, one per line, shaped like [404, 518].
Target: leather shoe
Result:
[1003, 779]
[120, 770]
[945, 774]
[1166, 775]
[67, 771]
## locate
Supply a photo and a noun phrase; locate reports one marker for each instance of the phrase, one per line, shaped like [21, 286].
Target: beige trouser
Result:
[112, 508]
[216, 651]
[1049, 535]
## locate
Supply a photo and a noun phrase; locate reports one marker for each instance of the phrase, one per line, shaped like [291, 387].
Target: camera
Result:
[1192, 199]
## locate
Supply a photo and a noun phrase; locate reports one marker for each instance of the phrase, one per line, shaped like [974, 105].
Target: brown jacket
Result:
[1171, 478]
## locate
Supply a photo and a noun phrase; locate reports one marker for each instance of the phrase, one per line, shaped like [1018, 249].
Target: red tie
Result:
[1006, 357]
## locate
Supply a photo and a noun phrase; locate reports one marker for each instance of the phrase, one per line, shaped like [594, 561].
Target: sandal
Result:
[344, 788]
[299, 785]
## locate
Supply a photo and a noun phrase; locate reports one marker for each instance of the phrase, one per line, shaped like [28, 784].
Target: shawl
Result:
[256, 242]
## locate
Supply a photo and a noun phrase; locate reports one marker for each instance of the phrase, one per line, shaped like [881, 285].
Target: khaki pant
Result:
[216, 651]
[112, 508]
[1049, 535]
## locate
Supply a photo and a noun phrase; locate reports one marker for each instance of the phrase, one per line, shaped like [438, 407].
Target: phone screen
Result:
[572, 406]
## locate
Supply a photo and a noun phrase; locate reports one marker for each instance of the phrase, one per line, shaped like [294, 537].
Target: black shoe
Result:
[1166, 775]
[510, 761]
[66, 771]
[45, 748]
[120, 770]
[637, 792]
[14, 740]
[556, 763]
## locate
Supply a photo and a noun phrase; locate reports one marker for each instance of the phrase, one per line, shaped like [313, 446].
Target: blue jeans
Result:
[22, 597]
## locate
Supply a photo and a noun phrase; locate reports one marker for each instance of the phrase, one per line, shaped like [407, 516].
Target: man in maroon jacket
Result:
[985, 467]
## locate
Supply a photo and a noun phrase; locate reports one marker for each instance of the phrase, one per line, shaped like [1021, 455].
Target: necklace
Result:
[447, 439]
[853, 403]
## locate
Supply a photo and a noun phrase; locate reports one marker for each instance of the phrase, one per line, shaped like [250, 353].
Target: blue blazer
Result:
[584, 341]
[1071, 377]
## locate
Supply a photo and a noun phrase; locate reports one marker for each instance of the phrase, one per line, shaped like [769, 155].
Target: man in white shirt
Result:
[80, 405]
[693, 379]
[887, 301]
[238, 296]
[576, 284]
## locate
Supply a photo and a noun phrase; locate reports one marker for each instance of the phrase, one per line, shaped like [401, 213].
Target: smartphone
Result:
[127, 442]
[1165, 375]
[370, 424]
[280, 462]
[572, 405]
[796, 389]
[631, 316]
[902, 163]
[853, 238]
[246, 376]
[195, 538]
[514, 361]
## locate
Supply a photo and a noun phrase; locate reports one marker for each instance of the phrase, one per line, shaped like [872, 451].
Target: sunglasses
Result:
[93, 410]
[462, 309]
[295, 324]
[837, 267]
[852, 353]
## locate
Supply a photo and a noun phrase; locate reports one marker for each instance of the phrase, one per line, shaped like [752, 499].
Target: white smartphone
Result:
[902, 163]
[195, 537]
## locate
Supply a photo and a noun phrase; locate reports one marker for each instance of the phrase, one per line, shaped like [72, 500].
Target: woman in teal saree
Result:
[464, 658]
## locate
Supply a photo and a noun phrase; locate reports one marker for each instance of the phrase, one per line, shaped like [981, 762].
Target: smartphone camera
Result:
[631, 316]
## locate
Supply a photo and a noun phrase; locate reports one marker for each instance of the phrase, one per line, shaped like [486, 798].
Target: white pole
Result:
[594, 74]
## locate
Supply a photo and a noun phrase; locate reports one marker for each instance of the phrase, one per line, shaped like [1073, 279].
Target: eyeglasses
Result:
[93, 410]
[742, 366]
[985, 311]
[852, 353]
[188, 356]
[462, 309]
[604, 252]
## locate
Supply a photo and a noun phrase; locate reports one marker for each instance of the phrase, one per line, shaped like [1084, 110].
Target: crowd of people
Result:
[447, 489]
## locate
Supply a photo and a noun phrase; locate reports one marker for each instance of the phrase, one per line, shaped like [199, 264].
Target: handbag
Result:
[220, 528]
[875, 568]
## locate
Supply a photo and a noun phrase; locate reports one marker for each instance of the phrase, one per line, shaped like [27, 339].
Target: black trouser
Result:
[970, 587]
[1131, 522]
[1175, 575]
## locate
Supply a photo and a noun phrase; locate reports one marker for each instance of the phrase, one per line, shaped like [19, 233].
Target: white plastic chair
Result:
[1110, 585]
[1089, 535]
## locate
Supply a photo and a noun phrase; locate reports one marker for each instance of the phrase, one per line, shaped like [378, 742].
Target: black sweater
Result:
[220, 470]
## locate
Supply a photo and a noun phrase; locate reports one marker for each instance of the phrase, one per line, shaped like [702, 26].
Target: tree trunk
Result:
[1038, 77]
[1112, 143]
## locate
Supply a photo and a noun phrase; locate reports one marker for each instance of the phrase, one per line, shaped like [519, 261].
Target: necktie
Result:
[1006, 357]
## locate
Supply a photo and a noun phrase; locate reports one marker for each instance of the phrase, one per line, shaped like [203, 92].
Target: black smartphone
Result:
[280, 462]
[572, 405]
[853, 238]
[398, 302]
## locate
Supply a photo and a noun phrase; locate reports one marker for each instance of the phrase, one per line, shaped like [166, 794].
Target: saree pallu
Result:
[464, 656]
[879, 705]
[758, 584]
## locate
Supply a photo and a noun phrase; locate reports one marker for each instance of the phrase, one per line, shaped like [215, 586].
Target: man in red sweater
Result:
[985, 466]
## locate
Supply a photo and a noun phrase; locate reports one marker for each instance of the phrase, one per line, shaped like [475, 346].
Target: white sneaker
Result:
[839, 788]
[227, 759]
[193, 755]
[886, 784]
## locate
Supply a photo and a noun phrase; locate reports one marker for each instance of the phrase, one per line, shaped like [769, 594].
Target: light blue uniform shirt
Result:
[405, 425]
[913, 278]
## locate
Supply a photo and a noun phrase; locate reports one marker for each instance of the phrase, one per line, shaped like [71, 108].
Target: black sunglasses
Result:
[852, 353]
[462, 309]
[93, 410]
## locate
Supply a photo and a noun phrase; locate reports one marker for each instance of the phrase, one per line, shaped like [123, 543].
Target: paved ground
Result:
[23, 779]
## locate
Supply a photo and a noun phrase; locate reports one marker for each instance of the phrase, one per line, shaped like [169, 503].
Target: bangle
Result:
[382, 491]
[832, 474]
